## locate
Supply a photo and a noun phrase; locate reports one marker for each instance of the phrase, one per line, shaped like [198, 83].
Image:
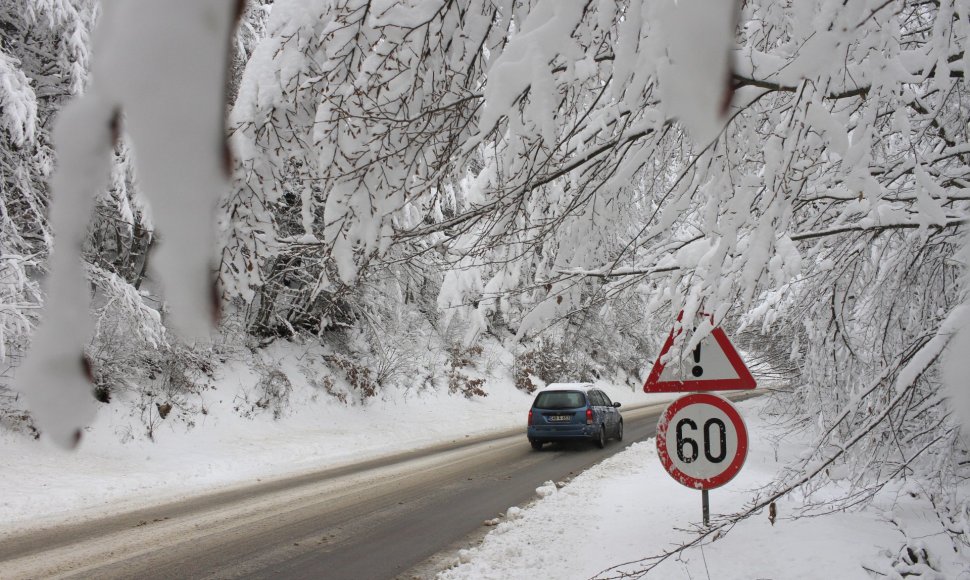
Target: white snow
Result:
[19, 114]
[698, 35]
[43, 484]
[624, 509]
[53, 378]
[628, 508]
[161, 65]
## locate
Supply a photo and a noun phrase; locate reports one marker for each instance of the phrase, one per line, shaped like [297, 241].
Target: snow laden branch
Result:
[897, 385]
[544, 158]
[159, 74]
[454, 128]
[43, 58]
[524, 144]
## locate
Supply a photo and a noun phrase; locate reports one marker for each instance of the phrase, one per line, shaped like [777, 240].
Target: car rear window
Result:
[560, 400]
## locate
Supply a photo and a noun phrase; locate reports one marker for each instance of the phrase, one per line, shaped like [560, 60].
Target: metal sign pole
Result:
[706, 507]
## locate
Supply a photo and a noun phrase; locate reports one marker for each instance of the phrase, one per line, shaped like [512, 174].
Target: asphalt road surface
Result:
[380, 519]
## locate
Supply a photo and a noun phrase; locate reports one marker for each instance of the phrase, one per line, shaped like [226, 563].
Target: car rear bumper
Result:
[560, 432]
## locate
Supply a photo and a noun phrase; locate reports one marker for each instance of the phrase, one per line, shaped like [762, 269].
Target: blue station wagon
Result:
[573, 411]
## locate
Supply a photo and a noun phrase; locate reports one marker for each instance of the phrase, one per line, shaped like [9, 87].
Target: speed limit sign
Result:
[702, 441]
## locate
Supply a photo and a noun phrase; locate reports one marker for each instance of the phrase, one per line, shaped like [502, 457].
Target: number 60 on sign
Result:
[702, 441]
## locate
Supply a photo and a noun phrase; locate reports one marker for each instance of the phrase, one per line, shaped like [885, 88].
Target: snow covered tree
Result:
[160, 74]
[792, 167]
[553, 154]
[43, 61]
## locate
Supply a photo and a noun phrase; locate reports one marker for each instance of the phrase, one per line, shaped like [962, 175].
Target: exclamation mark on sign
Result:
[697, 370]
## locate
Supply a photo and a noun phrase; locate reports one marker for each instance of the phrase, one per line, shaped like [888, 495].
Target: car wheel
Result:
[619, 431]
[537, 445]
[601, 438]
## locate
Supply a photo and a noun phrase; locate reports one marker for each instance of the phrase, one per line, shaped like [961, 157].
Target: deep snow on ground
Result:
[117, 467]
[627, 508]
[621, 510]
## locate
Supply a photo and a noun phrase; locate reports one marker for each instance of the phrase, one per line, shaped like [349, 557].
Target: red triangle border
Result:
[744, 381]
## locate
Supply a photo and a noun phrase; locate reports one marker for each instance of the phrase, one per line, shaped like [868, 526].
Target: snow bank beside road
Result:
[116, 467]
[628, 508]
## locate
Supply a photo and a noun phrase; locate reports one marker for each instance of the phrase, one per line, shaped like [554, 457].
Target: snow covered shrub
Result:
[298, 296]
[16, 422]
[614, 338]
[461, 356]
[136, 362]
[167, 385]
[328, 385]
[233, 342]
[358, 376]
[552, 362]
[13, 417]
[128, 335]
[393, 330]
[458, 381]
[19, 294]
[274, 390]
[19, 297]
[429, 374]
[912, 561]
[523, 380]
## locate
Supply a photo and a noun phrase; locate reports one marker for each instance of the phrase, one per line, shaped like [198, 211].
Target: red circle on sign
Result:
[733, 467]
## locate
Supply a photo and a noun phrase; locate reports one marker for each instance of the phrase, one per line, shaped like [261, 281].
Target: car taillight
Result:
[589, 416]
[530, 416]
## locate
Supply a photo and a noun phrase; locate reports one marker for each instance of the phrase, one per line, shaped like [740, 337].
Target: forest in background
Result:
[437, 172]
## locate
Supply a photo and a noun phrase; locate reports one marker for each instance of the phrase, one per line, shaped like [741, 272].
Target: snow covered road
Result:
[404, 509]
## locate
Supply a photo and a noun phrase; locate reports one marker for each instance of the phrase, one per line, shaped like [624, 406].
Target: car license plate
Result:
[560, 418]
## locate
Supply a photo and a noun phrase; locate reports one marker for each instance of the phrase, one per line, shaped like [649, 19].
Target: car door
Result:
[611, 412]
[603, 409]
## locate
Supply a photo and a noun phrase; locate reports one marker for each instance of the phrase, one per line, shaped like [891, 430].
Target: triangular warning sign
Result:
[714, 365]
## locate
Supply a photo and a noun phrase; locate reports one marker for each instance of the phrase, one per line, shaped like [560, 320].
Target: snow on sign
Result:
[702, 441]
[714, 365]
